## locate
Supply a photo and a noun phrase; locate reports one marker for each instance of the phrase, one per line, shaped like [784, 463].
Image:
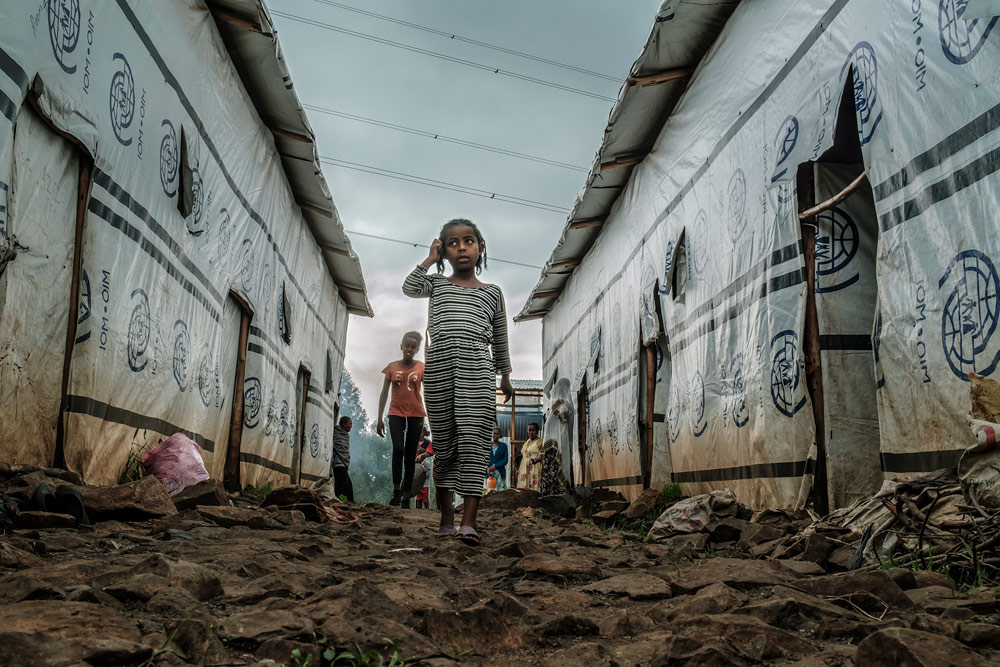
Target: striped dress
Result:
[463, 323]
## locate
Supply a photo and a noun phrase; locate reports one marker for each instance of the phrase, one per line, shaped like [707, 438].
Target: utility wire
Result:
[422, 245]
[435, 135]
[442, 56]
[444, 185]
[459, 38]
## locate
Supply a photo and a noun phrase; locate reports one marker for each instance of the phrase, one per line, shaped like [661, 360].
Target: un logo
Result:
[674, 415]
[314, 441]
[738, 387]
[737, 204]
[864, 71]
[182, 348]
[169, 159]
[64, 30]
[698, 423]
[836, 245]
[961, 39]
[613, 434]
[138, 331]
[283, 421]
[785, 373]
[252, 398]
[205, 377]
[246, 265]
[698, 242]
[784, 144]
[122, 99]
[969, 317]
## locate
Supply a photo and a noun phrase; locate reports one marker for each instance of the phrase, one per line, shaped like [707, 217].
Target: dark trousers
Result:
[405, 434]
[342, 485]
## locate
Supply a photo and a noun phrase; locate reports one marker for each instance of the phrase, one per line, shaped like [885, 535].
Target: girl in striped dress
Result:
[466, 350]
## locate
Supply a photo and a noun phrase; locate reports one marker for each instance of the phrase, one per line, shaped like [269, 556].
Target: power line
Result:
[459, 38]
[434, 135]
[444, 185]
[422, 245]
[442, 56]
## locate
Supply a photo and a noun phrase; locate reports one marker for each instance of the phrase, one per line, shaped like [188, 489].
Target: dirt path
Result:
[249, 586]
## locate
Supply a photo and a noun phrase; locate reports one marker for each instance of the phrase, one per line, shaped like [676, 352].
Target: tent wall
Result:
[721, 179]
[149, 90]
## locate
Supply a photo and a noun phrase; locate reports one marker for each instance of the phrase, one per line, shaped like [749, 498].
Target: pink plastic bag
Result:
[176, 462]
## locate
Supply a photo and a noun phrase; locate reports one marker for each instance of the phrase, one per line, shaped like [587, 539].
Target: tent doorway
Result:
[236, 318]
[841, 238]
[301, 389]
[582, 412]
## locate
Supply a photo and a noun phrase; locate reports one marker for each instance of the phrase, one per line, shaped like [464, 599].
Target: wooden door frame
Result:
[295, 475]
[582, 398]
[231, 478]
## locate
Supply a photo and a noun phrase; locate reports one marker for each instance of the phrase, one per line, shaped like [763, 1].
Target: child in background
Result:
[422, 498]
[467, 348]
[406, 415]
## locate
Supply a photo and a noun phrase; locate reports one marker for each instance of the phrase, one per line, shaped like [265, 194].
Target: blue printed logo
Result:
[738, 387]
[969, 317]
[138, 331]
[225, 234]
[613, 434]
[246, 265]
[122, 99]
[182, 347]
[784, 144]
[197, 204]
[314, 441]
[698, 423]
[737, 221]
[961, 39]
[674, 415]
[64, 30]
[785, 373]
[83, 307]
[836, 245]
[698, 242]
[206, 376]
[252, 398]
[169, 159]
[283, 421]
[867, 106]
[599, 438]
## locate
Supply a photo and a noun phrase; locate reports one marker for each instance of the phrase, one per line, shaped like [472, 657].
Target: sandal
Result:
[467, 535]
[446, 531]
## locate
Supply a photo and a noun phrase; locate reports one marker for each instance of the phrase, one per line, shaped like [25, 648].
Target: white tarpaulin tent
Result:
[687, 236]
[170, 256]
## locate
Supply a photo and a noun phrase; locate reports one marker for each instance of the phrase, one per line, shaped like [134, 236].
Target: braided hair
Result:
[480, 261]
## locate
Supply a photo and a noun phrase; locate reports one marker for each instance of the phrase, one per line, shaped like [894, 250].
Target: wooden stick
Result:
[836, 199]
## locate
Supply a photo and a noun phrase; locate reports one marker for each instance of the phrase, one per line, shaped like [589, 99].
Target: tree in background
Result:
[371, 456]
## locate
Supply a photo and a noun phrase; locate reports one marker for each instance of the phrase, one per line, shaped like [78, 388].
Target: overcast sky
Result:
[360, 77]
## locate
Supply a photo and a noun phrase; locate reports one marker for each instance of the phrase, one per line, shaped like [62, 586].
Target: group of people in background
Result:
[538, 464]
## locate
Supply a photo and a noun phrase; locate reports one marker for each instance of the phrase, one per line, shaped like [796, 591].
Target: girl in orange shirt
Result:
[406, 415]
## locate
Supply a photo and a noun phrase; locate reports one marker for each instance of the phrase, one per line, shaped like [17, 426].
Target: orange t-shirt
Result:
[406, 400]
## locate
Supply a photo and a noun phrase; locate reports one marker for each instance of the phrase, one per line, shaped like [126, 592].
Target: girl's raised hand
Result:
[435, 254]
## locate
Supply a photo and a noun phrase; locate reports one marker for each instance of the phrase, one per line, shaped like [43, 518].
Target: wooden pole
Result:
[82, 197]
[810, 344]
[231, 473]
[808, 214]
[650, 406]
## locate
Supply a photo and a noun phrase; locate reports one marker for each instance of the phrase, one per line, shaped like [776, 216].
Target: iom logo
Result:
[225, 234]
[283, 421]
[206, 377]
[737, 204]
[252, 398]
[864, 71]
[169, 159]
[246, 265]
[64, 30]
[698, 243]
[613, 434]
[182, 352]
[738, 387]
[785, 374]
[197, 204]
[121, 100]
[314, 441]
[969, 317]
[836, 246]
[784, 144]
[599, 438]
[961, 39]
[698, 423]
[138, 331]
[83, 308]
[674, 415]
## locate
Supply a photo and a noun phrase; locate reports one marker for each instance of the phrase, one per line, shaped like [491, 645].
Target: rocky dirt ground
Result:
[220, 584]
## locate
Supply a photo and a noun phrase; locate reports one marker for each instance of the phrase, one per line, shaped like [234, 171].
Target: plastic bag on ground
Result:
[176, 462]
[691, 515]
[979, 467]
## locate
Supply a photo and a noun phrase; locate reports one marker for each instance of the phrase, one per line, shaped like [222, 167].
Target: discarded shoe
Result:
[43, 499]
[68, 500]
